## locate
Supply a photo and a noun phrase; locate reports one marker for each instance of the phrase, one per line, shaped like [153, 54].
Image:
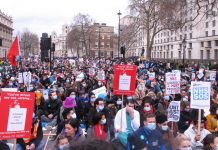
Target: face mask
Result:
[129, 97]
[119, 102]
[103, 121]
[140, 88]
[10, 84]
[101, 108]
[187, 109]
[185, 100]
[217, 112]
[84, 85]
[151, 126]
[74, 116]
[164, 127]
[147, 108]
[92, 99]
[73, 96]
[99, 84]
[67, 81]
[55, 97]
[188, 148]
[62, 147]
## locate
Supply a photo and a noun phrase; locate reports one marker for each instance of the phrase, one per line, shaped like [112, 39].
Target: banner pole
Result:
[47, 140]
[122, 101]
[199, 121]
[172, 126]
[15, 144]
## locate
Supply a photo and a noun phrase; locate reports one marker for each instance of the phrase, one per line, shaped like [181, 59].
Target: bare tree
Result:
[29, 43]
[155, 16]
[83, 22]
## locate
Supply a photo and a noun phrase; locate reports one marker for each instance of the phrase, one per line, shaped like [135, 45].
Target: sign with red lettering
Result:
[16, 109]
[172, 83]
[124, 79]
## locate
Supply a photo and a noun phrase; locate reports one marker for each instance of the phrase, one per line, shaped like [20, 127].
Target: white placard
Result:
[45, 94]
[212, 75]
[101, 90]
[25, 77]
[151, 75]
[17, 119]
[101, 75]
[174, 111]
[91, 71]
[80, 77]
[173, 83]
[200, 95]
[124, 82]
[9, 90]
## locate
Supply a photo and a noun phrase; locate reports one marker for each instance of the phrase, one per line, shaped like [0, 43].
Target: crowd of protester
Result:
[81, 120]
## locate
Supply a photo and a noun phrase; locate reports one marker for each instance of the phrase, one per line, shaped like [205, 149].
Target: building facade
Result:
[201, 38]
[6, 32]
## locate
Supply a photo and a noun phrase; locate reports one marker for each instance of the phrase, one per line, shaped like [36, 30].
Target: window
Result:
[164, 55]
[190, 27]
[108, 45]
[216, 42]
[216, 53]
[209, 43]
[180, 55]
[171, 46]
[180, 46]
[108, 37]
[214, 23]
[208, 54]
[202, 44]
[185, 36]
[102, 44]
[185, 28]
[213, 32]
[206, 33]
[167, 54]
[96, 44]
[171, 54]
[202, 54]
[190, 34]
[180, 37]
[190, 45]
[206, 24]
[102, 54]
[189, 54]
[175, 38]
[160, 54]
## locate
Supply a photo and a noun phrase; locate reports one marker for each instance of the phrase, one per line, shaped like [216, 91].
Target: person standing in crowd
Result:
[127, 120]
[51, 110]
[148, 135]
[192, 133]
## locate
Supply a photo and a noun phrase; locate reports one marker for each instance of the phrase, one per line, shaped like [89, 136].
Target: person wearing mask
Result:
[192, 133]
[35, 141]
[100, 127]
[51, 110]
[146, 108]
[163, 128]
[210, 142]
[98, 107]
[148, 135]
[62, 143]
[73, 131]
[182, 142]
[185, 118]
[127, 120]
[211, 122]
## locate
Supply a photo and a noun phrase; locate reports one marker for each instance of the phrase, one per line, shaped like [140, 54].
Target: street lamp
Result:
[184, 47]
[99, 43]
[119, 14]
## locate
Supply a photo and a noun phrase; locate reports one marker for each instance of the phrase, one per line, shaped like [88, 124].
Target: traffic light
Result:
[0, 42]
[122, 50]
[53, 47]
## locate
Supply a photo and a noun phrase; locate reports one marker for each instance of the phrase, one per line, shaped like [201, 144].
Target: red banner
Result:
[16, 109]
[124, 79]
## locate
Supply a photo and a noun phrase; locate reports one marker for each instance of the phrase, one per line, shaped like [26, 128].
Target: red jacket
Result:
[99, 132]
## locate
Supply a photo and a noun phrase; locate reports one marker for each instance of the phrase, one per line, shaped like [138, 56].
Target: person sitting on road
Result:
[62, 143]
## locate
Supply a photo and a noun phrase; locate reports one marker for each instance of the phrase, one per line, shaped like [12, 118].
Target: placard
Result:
[212, 75]
[92, 71]
[174, 111]
[124, 79]
[200, 95]
[99, 91]
[16, 109]
[173, 83]
[151, 76]
[101, 75]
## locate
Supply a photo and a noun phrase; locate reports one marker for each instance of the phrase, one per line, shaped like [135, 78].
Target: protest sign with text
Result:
[16, 109]
[172, 83]
[174, 111]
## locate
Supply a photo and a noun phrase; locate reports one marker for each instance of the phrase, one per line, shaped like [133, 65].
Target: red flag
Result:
[13, 52]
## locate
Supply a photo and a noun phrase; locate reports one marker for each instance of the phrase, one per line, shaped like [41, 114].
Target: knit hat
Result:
[69, 103]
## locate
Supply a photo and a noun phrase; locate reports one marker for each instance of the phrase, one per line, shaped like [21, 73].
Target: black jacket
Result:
[52, 107]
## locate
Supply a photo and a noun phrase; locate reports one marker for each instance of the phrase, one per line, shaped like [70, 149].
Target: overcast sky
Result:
[49, 15]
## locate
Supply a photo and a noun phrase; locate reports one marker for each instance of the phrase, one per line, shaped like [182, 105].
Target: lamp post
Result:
[119, 14]
[184, 47]
[99, 43]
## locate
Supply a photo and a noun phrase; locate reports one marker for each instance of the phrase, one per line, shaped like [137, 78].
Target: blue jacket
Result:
[143, 137]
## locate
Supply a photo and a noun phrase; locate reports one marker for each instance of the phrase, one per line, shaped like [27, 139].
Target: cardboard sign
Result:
[9, 90]
[92, 71]
[200, 95]
[151, 76]
[212, 75]
[172, 83]
[101, 75]
[16, 109]
[45, 94]
[124, 79]
[99, 91]
[174, 111]
[80, 77]
[25, 77]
